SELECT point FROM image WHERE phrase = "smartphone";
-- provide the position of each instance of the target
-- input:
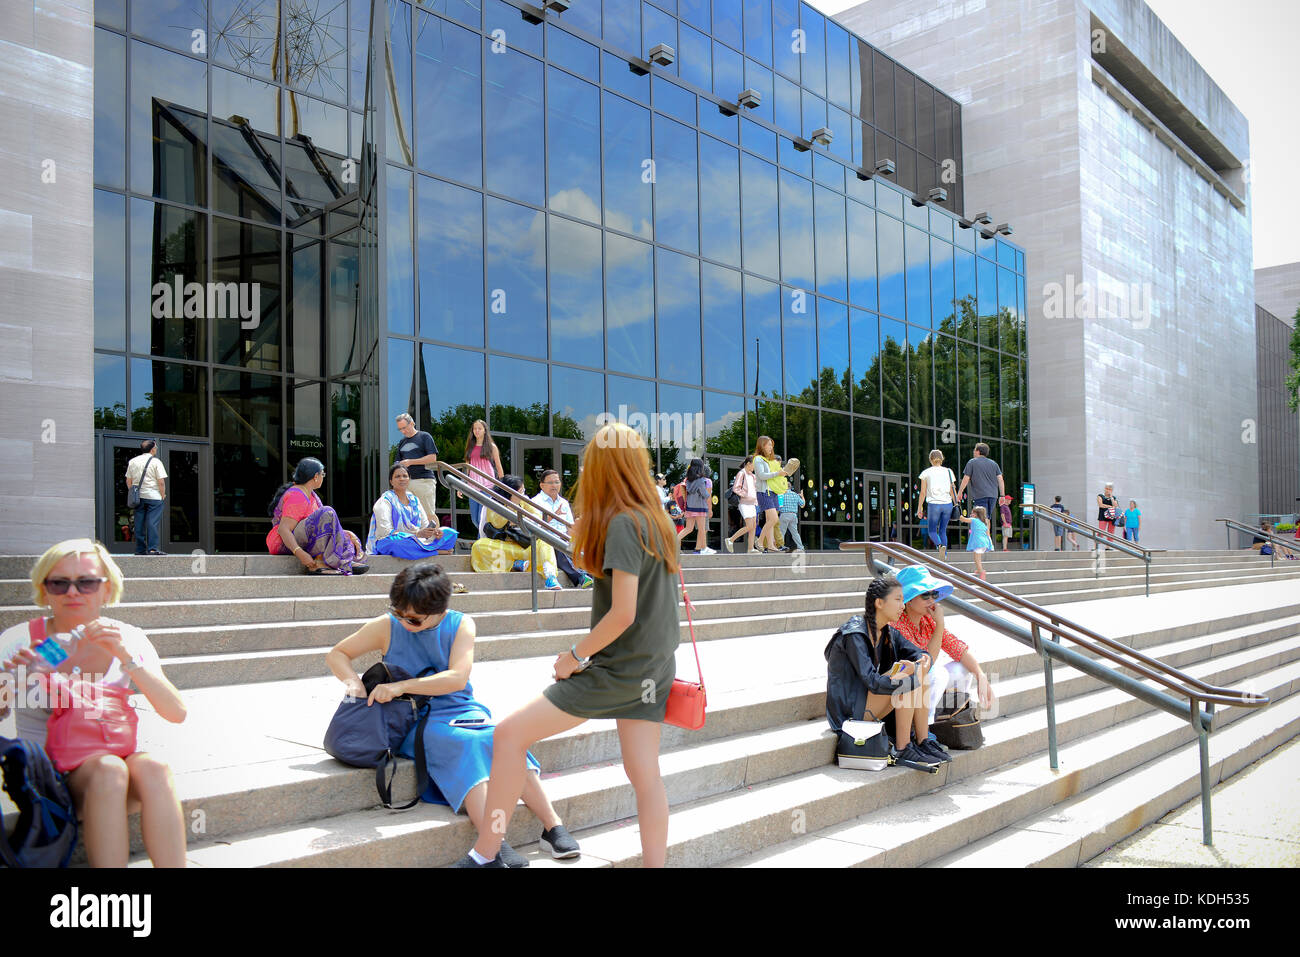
(467, 722)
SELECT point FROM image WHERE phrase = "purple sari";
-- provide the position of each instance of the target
(318, 531)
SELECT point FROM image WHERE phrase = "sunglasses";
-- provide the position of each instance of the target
(930, 595)
(414, 622)
(60, 586)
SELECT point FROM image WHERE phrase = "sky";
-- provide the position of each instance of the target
(1248, 49)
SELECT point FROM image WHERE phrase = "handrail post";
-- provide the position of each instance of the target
(1148, 574)
(532, 570)
(1049, 687)
(1207, 828)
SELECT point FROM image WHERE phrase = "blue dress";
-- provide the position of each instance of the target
(979, 540)
(404, 521)
(458, 758)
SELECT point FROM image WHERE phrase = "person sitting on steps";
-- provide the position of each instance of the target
(871, 670)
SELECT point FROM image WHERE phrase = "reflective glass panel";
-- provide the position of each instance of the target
(833, 354)
(304, 299)
(517, 396)
(676, 185)
(893, 369)
(987, 288)
(515, 30)
(889, 253)
(964, 272)
(814, 58)
(110, 271)
(571, 53)
(577, 323)
(632, 402)
(672, 99)
(836, 484)
(246, 292)
(397, 52)
(516, 278)
(866, 448)
(968, 387)
(724, 424)
(799, 345)
(941, 286)
(448, 94)
(629, 169)
(758, 30)
(728, 72)
(623, 24)
(451, 385)
(168, 281)
(347, 352)
(573, 158)
(514, 143)
(172, 22)
(678, 429)
(920, 376)
(762, 343)
(696, 12)
(618, 75)
(918, 276)
(864, 339)
(832, 263)
(399, 253)
(726, 23)
(577, 399)
(110, 109)
(110, 392)
(169, 398)
(759, 78)
(797, 266)
(629, 303)
(677, 307)
(945, 382)
(862, 255)
(401, 395)
(990, 394)
(305, 421)
(759, 223)
(450, 277)
(658, 27)
(719, 201)
(247, 422)
(720, 304)
(787, 105)
(785, 21)
(837, 66)
(696, 55)
(169, 125)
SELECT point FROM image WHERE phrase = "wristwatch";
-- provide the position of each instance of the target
(582, 662)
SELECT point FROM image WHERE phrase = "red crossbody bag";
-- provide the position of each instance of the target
(686, 700)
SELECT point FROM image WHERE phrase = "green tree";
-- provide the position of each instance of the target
(1293, 377)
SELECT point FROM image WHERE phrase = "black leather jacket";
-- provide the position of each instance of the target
(854, 667)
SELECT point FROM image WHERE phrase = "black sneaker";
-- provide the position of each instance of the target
(560, 843)
(360, 568)
(916, 759)
(934, 749)
(468, 861)
(509, 857)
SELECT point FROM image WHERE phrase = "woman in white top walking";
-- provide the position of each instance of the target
(937, 485)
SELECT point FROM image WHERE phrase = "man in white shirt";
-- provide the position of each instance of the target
(147, 470)
(550, 498)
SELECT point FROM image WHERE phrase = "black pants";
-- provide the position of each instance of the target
(566, 565)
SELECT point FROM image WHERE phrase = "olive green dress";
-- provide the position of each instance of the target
(631, 676)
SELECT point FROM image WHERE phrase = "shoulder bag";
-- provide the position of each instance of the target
(133, 493)
(687, 699)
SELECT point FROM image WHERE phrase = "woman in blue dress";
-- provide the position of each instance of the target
(418, 633)
(399, 525)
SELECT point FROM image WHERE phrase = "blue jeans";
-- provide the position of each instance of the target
(148, 518)
(475, 509)
(1130, 534)
(988, 504)
(936, 518)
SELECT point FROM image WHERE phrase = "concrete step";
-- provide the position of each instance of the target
(808, 743)
(1076, 830)
(948, 826)
(782, 816)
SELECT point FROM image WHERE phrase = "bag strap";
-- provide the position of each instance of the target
(690, 622)
(388, 763)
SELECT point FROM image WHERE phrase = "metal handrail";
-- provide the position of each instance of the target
(1193, 691)
(536, 528)
(1099, 535)
(1229, 524)
(507, 490)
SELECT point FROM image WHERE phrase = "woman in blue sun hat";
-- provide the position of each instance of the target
(922, 624)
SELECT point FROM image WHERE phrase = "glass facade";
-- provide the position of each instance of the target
(523, 223)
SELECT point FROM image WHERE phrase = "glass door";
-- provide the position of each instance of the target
(729, 519)
(187, 515)
(878, 500)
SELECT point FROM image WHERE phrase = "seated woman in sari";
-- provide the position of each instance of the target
(309, 529)
(399, 525)
(499, 549)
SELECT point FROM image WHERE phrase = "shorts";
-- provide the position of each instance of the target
(695, 511)
(748, 511)
(768, 500)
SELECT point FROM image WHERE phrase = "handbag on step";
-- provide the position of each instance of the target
(686, 700)
(958, 727)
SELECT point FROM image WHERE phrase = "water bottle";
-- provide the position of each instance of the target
(56, 649)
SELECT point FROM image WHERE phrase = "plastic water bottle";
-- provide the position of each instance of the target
(56, 649)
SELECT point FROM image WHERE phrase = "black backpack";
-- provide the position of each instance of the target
(47, 822)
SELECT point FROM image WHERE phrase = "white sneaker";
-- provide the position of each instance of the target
(731, 546)
(707, 551)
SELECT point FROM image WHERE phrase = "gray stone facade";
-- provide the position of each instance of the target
(1146, 376)
(1278, 433)
(1277, 289)
(47, 490)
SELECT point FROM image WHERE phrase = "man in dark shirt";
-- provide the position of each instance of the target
(985, 480)
(415, 453)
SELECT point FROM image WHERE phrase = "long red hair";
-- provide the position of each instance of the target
(616, 478)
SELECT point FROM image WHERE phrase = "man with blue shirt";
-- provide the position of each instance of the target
(550, 499)
(985, 480)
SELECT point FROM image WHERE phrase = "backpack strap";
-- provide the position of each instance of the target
(386, 770)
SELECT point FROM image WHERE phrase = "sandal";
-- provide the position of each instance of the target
(458, 589)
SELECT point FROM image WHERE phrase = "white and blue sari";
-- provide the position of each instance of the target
(393, 526)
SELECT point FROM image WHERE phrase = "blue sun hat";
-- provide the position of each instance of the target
(917, 580)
